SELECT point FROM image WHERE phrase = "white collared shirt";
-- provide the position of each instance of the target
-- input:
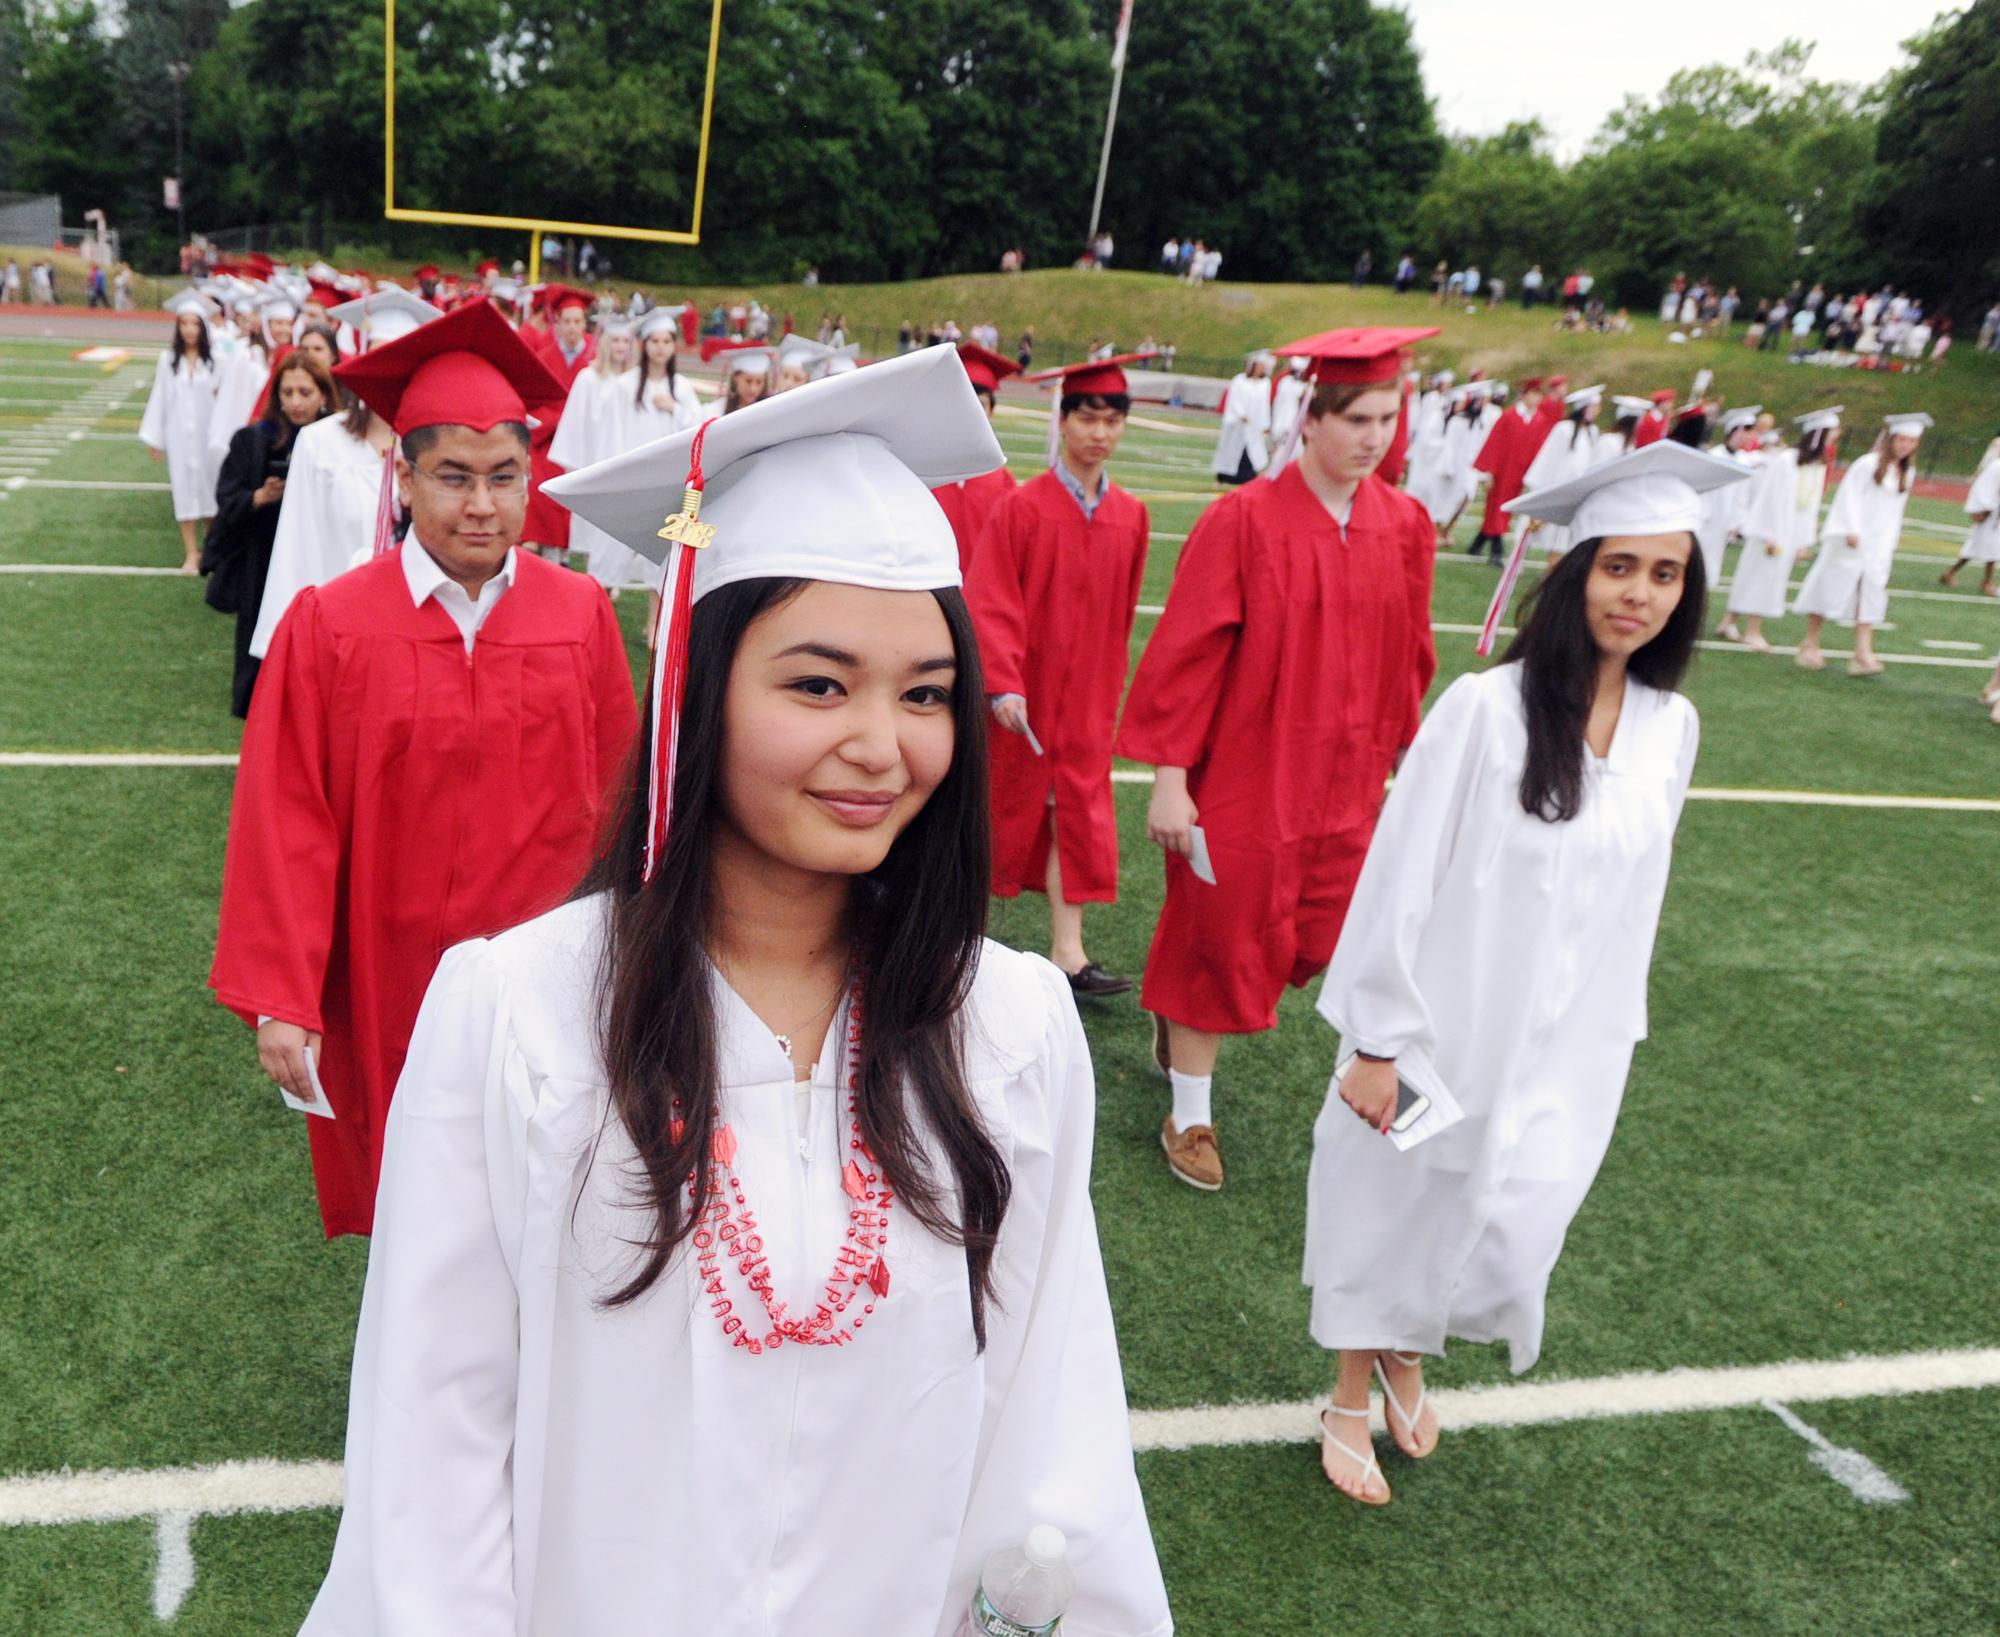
(468, 613)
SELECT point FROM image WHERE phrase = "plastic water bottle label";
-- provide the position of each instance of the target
(990, 1622)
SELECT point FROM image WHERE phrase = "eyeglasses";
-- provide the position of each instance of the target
(459, 485)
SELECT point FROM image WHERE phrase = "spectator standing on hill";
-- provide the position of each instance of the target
(1406, 274)
(1024, 354)
(121, 288)
(1531, 287)
(1469, 286)
(1496, 292)
(1170, 257)
(1572, 301)
(1440, 276)
(10, 286)
(1364, 265)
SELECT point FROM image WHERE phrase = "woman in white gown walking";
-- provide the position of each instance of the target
(1849, 580)
(1498, 947)
(175, 427)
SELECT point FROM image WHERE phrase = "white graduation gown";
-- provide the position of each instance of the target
(1851, 583)
(1769, 523)
(1246, 427)
(1455, 480)
(626, 424)
(589, 432)
(244, 373)
(1808, 494)
(1513, 954)
(523, 1463)
(1288, 399)
(1429, 417)
(176, 423)
(326, 522)
(1982, 540)
(1562, 456)
(1722, 513)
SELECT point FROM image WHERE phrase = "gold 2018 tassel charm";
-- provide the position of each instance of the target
(682, 526)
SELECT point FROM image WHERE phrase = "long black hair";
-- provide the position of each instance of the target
(673, 369)
(915, 926)
(201, 346)
(1558, 659)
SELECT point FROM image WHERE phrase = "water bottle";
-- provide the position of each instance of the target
(1024, 1590)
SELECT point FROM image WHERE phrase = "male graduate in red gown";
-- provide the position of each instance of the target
(1505, 456)
(969, 504)
(1653, 424)
(567, 349)
(430, 752)
(1284, 679)
(1053, 591)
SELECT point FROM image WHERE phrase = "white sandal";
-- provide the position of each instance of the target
(1370, 1467)
(1408, 1417)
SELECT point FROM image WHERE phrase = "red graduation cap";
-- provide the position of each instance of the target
(487, 266)
(556, 298)
(1528, 383)
(427, 271)
(1368, 356)
(1555, 383)
(986, 368)
(468, 368)
(1665, 396)
(1095, 378)
(325, 294)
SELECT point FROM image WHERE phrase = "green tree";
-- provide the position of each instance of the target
(13, 57)
(1935, 193)
(63, 145)
(1293, 136)
(1501, 202)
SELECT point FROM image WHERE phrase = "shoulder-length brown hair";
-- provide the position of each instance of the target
(1905, 467)
(299, 363)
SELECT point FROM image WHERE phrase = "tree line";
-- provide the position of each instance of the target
(885, 139)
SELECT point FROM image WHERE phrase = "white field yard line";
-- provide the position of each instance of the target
(230, 1487)
(1119, 776)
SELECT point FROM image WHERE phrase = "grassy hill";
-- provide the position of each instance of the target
(1214, 325)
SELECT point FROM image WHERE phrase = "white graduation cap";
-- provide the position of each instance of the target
(746, 361)
(617, 324)
(841, 363)
(388, 315)
(1910, 425)
(1820, 420)
(1734, 420)
(802, 350)
(1655, 490)
(192, 300)
(1443, 377)
(829, 482)
(277, 304)
(661, 321)
(1584, 397)
(1630, 408)
(507, 290)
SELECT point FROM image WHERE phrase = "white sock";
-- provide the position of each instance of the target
(1191, 1098)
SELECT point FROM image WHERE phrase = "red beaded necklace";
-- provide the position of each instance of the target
(726, 1232)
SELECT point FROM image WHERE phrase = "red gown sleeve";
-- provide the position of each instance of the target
(280, 875)
(1138, 578)
(1174, 697)
(1494, 450)
(993, 593)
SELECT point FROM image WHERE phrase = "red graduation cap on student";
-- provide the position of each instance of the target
(325, 294)
(559, 298)
(1366, 356)
(467, 368)
(984, 367)
(1094, 378)
(1665, 397)
(427, 273)
(486, 267)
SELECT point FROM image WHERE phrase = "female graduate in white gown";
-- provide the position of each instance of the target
(734, 1267)
(1982, 538)
(1243, 448)
(650, 401)
(1499, 941)
(247, 370)
(176, 423)
(1849, 580)
(592, 429)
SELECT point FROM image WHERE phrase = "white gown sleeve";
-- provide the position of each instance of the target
(1844, 517)
(1056, 1443)
(298, 548)
(426, 1534)
(1370, 994)
(1684, 764)
(153, 427)
(576, 432)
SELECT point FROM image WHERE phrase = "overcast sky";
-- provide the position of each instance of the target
(1488, 62)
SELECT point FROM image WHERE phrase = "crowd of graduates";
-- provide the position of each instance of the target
(615, 1017)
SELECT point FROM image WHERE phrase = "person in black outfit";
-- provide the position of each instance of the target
(237, 554)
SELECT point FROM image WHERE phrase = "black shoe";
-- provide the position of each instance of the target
(1092, 980)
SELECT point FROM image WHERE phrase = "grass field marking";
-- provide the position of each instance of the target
(222, 1490)
(1776, 798)
(173, 1563)
(118, 758)
(1849, 1468)
(91, 568)
(99, 483)
(1956, 647)
(1598, 1398)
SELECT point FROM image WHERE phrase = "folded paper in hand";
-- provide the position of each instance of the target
(319, 1105)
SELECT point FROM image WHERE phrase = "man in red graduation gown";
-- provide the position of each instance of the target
(970, 504)
(1505, 456)
(1284, 679)
(567, 349)
(1653, 424)
(1053, 590)
(430, 752)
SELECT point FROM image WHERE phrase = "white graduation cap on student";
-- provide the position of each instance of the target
(192, 300)
(1908, 425)
(794, 348)
(1654, 490)
(1583, 397)
(1741, 418)
(745, 361)
(388, 315)
(1628, 408)
(1820, 420)
(661, 321)
(831, 481)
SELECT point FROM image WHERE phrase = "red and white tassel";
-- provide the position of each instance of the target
(386, 510)
(1495, 610)
(670, 654)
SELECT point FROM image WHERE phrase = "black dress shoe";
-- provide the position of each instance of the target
(1092, 979)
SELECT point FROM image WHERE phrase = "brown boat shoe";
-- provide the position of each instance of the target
(1193, 1155)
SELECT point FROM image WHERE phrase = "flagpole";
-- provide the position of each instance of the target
(1110, 117)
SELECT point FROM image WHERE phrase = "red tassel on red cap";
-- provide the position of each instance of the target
(670, 652)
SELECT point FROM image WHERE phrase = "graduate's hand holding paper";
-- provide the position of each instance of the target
(281, 1049)
(1171, 818)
